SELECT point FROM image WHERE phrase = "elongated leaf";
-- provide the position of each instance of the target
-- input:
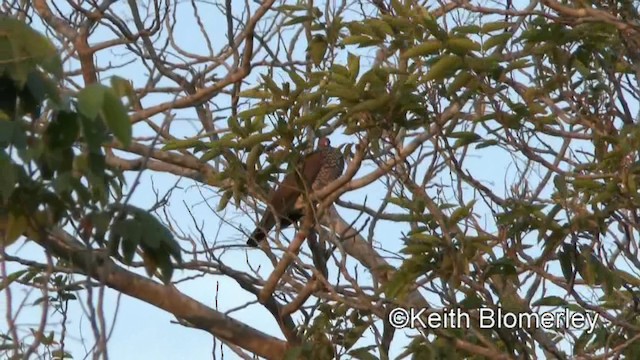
(466, 29)
(284, 8)
(561, 184)
(444, 67)
(12, 227)
(494, 26)
(428, 47)
(254, 140)
(496, 40)
(399, 23)
(343, 92)
(459, 81)
(261, 109)
(353, 62)
(91, 100)
(371, 105)
(363, 353)
(550, 301)
(224, 200)
(317, 49)
(298, 20)
(297, 79)
(272, 86)
(183, 144)
(462, 45)
(361, 40)
(255, 94)
(466, 139)
(11, 278)
(487, 143)
(116, 117)
(8, 179)
(123, 87)
(380, 27)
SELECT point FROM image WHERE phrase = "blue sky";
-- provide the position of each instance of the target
(141, 331)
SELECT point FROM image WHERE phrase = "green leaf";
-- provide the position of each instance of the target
(298, 20)
(402, 8)
(40, 88)
(561, 184)
(353, 63)
(184, 144)
(293, 353)
(494, 26)
(343, 92)
(14, 227)
(627, 278)
(116, 117)
(256, 94)
(8, 180)
(130, 233)
(224, 200)
(464, 138)
(466, 29)
(462, 212)
(462, 46)
(95, 133)
(297, 79)
(497, 40)
(550, 301)
(317, 49)
(254, 140)
(166, 267)
(444, 67)
(428, 47)
(10, 279)
(399, 23)
(379, 27)
(352, 335)
(12, 133)
(361, 40)
(582, 342)
(459, 81)
(472, 301)
(487, 143)
(259, 110)
(363, 353)
(503, 266)
(371, 105)
(479, 65)
(29, 46)
(63, 130)
(272, 86)
(91, 100)
(283, 8)
(122, 87)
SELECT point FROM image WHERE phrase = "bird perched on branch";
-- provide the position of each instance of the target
(315, 171)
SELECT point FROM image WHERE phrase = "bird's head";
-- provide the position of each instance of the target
(324, 142)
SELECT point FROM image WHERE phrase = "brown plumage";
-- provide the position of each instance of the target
(316, 170)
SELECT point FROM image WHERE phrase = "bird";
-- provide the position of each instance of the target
(284, 203)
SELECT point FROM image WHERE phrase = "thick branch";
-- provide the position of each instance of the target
(166, 297)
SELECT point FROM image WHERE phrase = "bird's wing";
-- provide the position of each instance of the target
(312, 165)
(286, 194)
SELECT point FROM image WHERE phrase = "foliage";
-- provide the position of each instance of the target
(494, 156)
(58, 174)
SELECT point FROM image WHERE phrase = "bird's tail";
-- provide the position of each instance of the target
(260, 233)
(256, 237)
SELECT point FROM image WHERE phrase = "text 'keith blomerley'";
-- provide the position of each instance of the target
(490, 318)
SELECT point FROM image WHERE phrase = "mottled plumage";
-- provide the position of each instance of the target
(316, 171)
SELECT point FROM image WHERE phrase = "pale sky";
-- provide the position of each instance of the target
(144, 332)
